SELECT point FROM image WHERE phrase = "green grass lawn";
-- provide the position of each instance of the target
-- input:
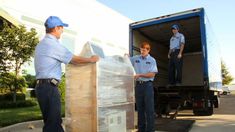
(16, 115)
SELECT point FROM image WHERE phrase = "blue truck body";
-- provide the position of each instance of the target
(202, 80)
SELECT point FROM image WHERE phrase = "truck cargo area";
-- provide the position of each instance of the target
(159, 35)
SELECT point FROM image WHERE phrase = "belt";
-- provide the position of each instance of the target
(142, 82)
(49, 80)
(174, 50)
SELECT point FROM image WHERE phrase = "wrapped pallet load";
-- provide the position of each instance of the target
(100, 96)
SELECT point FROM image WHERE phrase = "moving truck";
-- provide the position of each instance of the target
(201, 73)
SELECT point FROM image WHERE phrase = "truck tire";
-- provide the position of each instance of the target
(216, 101)
(198, 112)
(203, 113)
(206, 112)
(209, 111)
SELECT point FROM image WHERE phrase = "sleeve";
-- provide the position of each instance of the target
(153, 67)
(62, 54)
(132, 60)
(182, 39)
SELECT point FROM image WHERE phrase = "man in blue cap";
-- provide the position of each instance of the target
(177, 43)
(49, 55)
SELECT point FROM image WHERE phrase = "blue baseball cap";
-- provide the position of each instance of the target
(53, 21)
(175, 26)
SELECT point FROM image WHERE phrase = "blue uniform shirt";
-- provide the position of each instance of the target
(49, 55)
(143, 65)
(176, 41)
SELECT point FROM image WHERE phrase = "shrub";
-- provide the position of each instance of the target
(33, 93)
(11, 82)
(62, 87)
(8, 97)
(17, 104)
(30, 80)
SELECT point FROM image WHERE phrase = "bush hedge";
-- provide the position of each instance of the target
(17, 104)
(33, 93)
(9, 97)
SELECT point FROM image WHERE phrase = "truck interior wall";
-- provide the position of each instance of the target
(159, 52)
(159, 35)
(192, 74)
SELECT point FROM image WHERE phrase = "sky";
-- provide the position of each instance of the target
(221, 14)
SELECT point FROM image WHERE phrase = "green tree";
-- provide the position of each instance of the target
(62, 87)
(30, 80)
(17, 46)
(4, 48)
(7, 81)
(227, 78)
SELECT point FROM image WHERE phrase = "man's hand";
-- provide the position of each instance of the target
(137, 76)
(126, 54)
(94, 58)
(80, 60)
(179, 56)
(168, 56)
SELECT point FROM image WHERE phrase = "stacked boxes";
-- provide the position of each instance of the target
(100, 96)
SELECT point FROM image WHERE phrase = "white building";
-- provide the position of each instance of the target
(88, 20)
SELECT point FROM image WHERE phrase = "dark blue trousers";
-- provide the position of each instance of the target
(49, 101)
(144, 97)
(175, 68)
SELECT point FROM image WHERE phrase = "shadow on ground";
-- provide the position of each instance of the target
(161, 124)
(173, 125)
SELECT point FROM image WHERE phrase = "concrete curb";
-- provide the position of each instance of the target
(30, 126)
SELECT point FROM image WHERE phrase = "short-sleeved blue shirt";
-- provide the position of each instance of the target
(49, 55)
(176, 41)
(143, 65)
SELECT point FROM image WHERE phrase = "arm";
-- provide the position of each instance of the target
(182, 43)
(79, 59)
(181, 50)
(151, 72)
(146, 75)
(169, 53)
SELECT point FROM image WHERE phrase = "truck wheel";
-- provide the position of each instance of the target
(198, 112)
(216, 101)
(207, 112)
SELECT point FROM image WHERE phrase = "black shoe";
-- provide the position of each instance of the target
(169, 85)
(178, 84)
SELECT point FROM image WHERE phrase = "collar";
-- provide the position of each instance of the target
(177, 34)
(50, 36)
(143, 58)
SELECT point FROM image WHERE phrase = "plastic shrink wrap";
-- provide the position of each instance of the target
(100, 96)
